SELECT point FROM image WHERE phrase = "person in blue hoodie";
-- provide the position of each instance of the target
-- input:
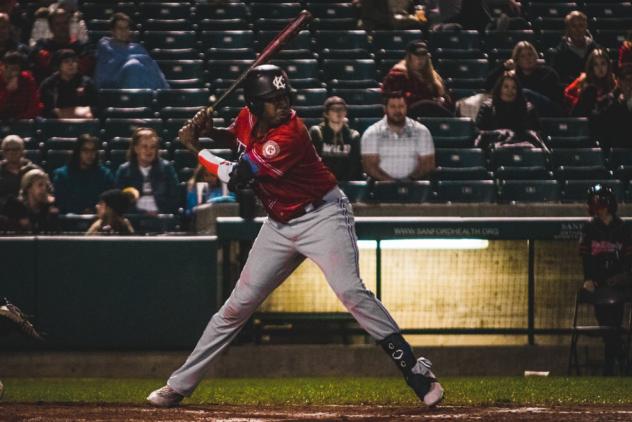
(122, 64)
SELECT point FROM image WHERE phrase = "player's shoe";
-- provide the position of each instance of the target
(424, 382)
(165, 397)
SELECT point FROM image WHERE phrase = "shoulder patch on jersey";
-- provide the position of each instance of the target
(270, 149)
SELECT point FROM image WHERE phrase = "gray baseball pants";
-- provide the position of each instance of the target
(325, 235)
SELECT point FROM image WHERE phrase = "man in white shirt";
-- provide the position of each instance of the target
(397, 147)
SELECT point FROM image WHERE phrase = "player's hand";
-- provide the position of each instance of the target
(199, 125)
(240, 176)
(589, 286)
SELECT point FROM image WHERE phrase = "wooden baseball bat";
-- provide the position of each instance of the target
(271, 49)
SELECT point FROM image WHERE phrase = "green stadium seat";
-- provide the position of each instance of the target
(582, 172)
(567, 132)
(183, 158)
(463, 69)
(275, 10)
(332, 44)
(450, 132)
(518, 157)
(355, 190)
(56, 159)
(460, 157)
(577, 157)
(126, 98)
(164, 10)
(513, 191)
(457, 54)
(98, 25)
(620, 157)
(549, 38)
(333, 15)
(621, 9)
(182, 97)
(228, 44)
(310, 97)
(383, 43)
(116, 127)
(169, 39)
(576, 190)
(461, 173)
(25, 128)
(59, 143)
(183, 73)
(407, 192)
(362, 123)
(35, 155)
(167, 25)
(67, 128)
(359, 73)
(223, 72)
(178, 112)
(467, 40)
(522, 173)
(223, 25)
(300, 47)
(359, 96)
(467, 191)
(102, 10)
(507, 39)
(619, 23)
(223, 10)
(368, 110)
(550, 9)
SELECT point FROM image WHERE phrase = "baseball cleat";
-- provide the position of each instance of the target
(424, 382)
(434, 395)
(165, 397)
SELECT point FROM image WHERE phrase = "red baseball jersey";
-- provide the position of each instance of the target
(289, 173)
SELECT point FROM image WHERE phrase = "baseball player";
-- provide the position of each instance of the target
(308, 217)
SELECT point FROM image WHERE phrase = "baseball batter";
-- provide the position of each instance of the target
(308, 217)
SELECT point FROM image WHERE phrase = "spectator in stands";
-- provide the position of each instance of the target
(507, 118)
(122, 64)
(13, 167)
(625, 51)
(79, 183)
(67, 94)
(590, 92)
(154, 178)
(336, 142)
(386, 15)
(569, 57)
(34, 210)
(17, 15)
(416, 78)
(44, 49)
(606, 250)
(112, 205)
(540, 83)
(19, 98)
(613, 124)
(475, 14)
(397, 147)
(204, 187)
(41, 28)
(8, 42)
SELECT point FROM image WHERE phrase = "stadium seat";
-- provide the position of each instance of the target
(223, 25)
(300, 47)
(522, 173)
(609, 38)
(621, 9)
(577, 157)
(24, 128)
(393, 44)
(126, 102)
(620, 157)
(410, 192)
(582, 172)
(619, 23)
(224, 72)
(542, 23)
(303, 73)
(67, 128)
(183, 158)
(365, 110)
(466, 191)
(182, 97)
(356, 190)
(56, 158)
(518, 157)
(567, 132)
(576, 190)
(458, 70)
(310, 97)
(164, 10)
(167, 25)
(459, 157)
(512, 191)
(172, 126)
(113, 128)
(35, 155)
(59, 143)
(349, 73)
(168, 39)
(223, 10)
(549, 9)
(102, 10)
(333, 15)
(362, 123)
(451, 132)
(183, 73)
(332, 44)
(273, 16)
(457, 54)
(461, 173)
(507, 39)
(466, 40)
(98, 25)
(549, 38)
(228, 44)
(358, 96)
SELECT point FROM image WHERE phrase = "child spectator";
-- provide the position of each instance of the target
(19, 98)
(590, 91)
(66, 94)
(154, 178)
(112, 205)
(41, 28)
(416, 78)
(122, 64)
(79, 183)
(336, 142)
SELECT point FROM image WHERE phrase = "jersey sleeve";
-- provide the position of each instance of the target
(283, 149)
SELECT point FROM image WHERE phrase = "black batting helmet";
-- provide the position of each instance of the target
(600, 196)
(265, 82)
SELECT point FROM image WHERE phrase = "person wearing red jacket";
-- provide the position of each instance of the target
(19, 98)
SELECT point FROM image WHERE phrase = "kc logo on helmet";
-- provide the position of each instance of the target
(278, 82)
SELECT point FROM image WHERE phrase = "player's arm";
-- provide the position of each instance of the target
(371, 164)
(202, 125)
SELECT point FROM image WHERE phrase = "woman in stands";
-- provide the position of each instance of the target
(423, 88)
(507, 118)
(589, 93)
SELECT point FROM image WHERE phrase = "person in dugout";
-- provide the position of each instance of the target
(606, 249)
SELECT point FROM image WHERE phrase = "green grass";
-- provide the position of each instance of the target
(323, 391)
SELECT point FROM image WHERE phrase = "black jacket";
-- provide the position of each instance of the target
(569, 64)
(163, 179)
(340, 152)
(58, 93)
(606, 250)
